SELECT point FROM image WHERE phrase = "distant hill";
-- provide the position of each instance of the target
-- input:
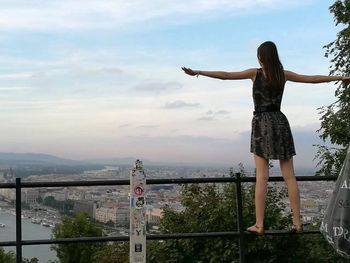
(35, 159)
(120, 161)
(113, 161)
(40, 159)
(130, 160)
(26, 164)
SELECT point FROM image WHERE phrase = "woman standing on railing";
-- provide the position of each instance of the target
(271, 137)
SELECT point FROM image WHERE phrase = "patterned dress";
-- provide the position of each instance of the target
(271, 137)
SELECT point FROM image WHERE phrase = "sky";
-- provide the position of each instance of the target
(102, 79)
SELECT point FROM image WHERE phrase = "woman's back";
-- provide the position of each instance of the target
(264, 95)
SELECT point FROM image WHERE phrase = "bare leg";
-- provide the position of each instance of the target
(287, 170)
(262, 176)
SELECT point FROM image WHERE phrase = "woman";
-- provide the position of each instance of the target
(271, 137)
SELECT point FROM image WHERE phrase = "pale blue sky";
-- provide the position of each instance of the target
(96, 79)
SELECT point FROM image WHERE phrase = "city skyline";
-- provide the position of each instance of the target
(98, 79)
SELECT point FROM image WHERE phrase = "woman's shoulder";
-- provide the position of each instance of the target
(257, 72)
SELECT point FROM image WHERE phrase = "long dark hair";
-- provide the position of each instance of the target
(272, 66)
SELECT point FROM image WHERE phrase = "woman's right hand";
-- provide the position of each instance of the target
(189, 71)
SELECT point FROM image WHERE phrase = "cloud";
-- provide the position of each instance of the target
(219, 112)
(156, 87)
(106, 70)
(125, 125)
(147, 126)
(210, 118)
(14, 76)
(14, 88)
(212, 115)
(65, 14)
(222, 112)
(180, 104)
(80, 79)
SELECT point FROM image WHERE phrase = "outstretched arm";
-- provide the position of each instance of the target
(246, 74)
(292, 76)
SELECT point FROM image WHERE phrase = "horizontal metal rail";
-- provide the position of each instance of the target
(161, 181)
(227, 234)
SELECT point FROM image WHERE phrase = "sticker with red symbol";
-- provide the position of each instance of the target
(138, 190)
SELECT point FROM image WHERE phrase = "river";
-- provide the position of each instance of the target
(29, 231)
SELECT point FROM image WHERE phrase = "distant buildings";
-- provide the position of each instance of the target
(59, 195)
(7, 175)
(29, 195)
(154, 215)
(123, 216)
(8, 194)
(84, 206)
(119, 214)
(105, 215)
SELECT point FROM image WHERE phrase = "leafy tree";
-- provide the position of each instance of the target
(10, 257)
(335, 119)
(113, 253)
(314, 248)
(80, 226)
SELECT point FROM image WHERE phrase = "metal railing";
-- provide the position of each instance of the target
(240, 233)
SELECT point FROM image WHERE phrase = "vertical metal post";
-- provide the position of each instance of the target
(18, 221)
(240, 218)
(137, 214)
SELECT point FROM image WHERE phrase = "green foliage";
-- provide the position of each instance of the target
(10, 257)
(113, 253)
(80, 226)
(335, 119)
(314, 248)
(331, 159)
